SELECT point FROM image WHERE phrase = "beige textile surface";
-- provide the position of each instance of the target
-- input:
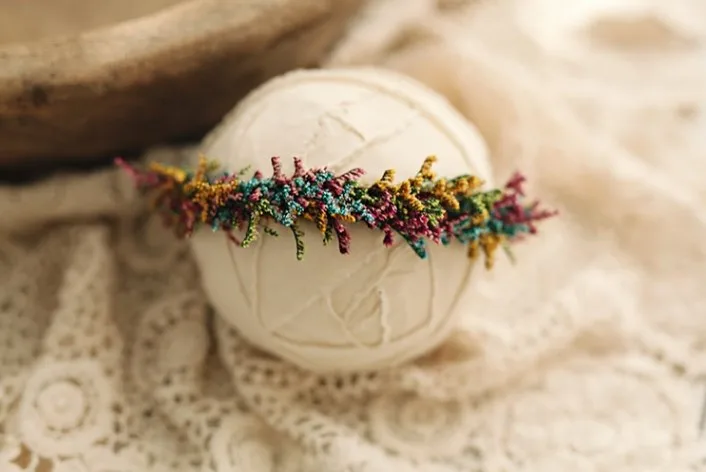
(29, 21)
(589, 355)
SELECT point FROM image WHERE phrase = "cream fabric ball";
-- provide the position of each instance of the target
(375, 307)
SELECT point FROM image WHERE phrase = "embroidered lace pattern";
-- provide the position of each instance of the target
(588, 355)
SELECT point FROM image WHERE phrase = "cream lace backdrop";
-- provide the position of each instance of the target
(588, 355)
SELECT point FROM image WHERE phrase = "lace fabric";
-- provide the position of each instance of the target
(588, 354)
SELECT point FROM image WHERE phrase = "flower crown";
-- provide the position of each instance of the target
(420, 209)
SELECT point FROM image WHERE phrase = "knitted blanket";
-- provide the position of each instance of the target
(589, 354)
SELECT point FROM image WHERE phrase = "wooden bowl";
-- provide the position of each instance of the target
(116, 76)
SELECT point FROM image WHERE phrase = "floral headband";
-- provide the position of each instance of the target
(420, 209)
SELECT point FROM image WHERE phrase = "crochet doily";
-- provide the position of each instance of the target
(588, 355)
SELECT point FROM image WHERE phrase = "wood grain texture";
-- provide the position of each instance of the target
(153, 79)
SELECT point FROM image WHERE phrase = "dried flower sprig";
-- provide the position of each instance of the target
(420, 209)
